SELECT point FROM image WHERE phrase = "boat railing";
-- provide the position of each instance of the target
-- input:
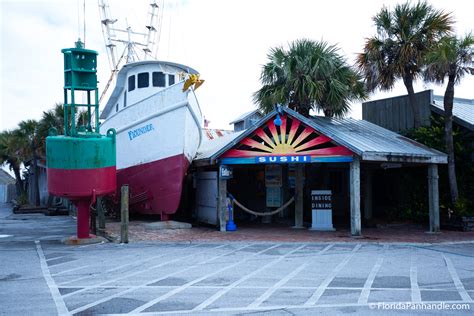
(172, 94)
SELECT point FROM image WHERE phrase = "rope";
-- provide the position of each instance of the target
(278, 210)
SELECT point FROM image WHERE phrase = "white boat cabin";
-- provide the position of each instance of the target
(140, 80)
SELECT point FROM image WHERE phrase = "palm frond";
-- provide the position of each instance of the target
(309, 74)
(404, 37)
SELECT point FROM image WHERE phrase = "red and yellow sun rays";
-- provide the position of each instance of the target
(271, 140)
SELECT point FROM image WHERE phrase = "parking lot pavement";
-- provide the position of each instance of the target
(31, 227)
(41, 276)
(241, 278)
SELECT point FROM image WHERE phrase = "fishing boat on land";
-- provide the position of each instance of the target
(157, 117)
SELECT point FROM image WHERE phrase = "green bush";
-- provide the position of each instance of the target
(433, 137)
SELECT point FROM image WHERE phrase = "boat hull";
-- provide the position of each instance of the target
(155, 187)
(156, 139)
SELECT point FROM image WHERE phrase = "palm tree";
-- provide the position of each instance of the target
(309, 75)
(397, 51)
(53, 118)
(27, 133)
(451, 58)
(10, 155)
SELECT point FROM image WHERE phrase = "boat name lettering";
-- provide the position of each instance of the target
(140, 131)
(283, 159)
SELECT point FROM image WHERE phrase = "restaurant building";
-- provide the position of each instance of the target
(318, 172)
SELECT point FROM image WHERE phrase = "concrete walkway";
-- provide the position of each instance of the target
(407, 233)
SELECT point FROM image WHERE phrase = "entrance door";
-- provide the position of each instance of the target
(206, 197)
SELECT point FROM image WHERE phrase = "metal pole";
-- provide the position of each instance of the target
(66, 109)
(83, 218)
(124, 214)
(97, 125)
(89, 116)
(73, 114)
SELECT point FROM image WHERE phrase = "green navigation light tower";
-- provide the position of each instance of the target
(81, 163)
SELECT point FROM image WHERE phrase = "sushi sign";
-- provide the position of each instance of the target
(283, 159)
(290, 142)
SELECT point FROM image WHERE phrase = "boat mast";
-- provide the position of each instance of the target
(133, 42)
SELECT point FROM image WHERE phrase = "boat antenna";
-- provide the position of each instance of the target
(144, 43)
(78, 19)
(84, 21)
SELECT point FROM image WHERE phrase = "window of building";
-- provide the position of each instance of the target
(143, 80)
(159, 79)
(170, 80)
(131, 83)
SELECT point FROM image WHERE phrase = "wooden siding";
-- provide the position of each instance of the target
(396, 113)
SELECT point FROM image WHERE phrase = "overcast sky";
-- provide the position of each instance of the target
(226, 41)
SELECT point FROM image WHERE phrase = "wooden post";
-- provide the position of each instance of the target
(124, 214)
(368, 195)
(299, 196)
(355, 196)
(433, 193)
(221, 203)
(100, 216)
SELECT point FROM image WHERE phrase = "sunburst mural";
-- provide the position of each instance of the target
(291, 138)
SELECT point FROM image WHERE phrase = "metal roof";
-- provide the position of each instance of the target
(367, 140)
(374, 143)
(463, 110)
(244, 116)
(213, 133)
(5, 177)
(210, 147)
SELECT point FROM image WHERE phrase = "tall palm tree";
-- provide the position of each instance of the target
(451, 58)
(404, 36)
(309, 75)
(10, 155)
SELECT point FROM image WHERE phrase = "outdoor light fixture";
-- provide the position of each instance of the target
(277, 120)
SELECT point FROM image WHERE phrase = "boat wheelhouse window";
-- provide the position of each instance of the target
(125, 99)
(159, 79)
(170, 80)
(116, 107)
(143, 80)
(131, 83)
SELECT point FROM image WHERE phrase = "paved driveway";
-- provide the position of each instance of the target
(44, 277)
(240, 278)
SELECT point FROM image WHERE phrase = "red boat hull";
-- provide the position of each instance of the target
(155, 187)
